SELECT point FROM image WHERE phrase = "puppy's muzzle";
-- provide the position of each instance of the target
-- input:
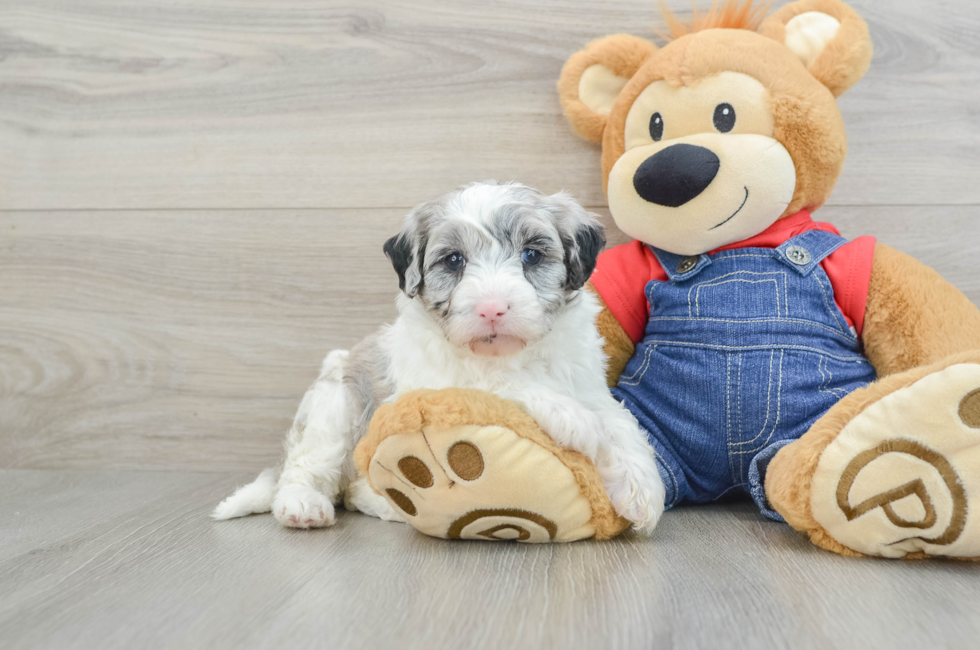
(675, 175)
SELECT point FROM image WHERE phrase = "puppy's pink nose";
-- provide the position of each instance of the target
(491, 309)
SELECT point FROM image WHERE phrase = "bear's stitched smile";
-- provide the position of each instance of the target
(734, 213)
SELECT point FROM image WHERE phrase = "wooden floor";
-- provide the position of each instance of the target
(193, 198)
(130, 560)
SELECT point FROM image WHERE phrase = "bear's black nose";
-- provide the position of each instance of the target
(675, 175)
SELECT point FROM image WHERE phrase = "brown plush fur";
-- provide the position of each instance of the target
(914, 317)
(453, 407)
(729, 14)
(618, 346)
(790, 474)
(807, 120)
(622, 54)
(846, 58)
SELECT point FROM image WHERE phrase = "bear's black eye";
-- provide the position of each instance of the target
(724, 117)
(455, 261)
(530, 257)
(656, 127)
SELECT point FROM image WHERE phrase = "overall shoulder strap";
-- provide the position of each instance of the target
(805, 251)
(681, 267)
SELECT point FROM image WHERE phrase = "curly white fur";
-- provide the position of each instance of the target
(558, 378)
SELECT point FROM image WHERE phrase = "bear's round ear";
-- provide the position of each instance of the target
(592, 79)
(829, 37)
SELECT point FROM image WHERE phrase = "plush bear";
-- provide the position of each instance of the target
(837, 382)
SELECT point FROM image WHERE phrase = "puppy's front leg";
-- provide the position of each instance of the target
(567, 421)
(611, 438)
(317, 448)
(361, 496)
(628, 468)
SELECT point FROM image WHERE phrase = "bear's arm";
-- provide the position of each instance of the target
(914, 316)
(618, 347)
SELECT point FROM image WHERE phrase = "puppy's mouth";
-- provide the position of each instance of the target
(734, 213)
(497, 345)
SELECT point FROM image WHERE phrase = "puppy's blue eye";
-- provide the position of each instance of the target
(530, 257)
(455, 261)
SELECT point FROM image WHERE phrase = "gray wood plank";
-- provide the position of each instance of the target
(384, 103)
(184, 341)
(134, 562)
(160, 325)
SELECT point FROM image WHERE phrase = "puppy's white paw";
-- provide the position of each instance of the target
(570, 425)
(360, 496)
(300, 506)
(637, 496)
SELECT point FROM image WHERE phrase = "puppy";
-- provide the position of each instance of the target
(491, 280)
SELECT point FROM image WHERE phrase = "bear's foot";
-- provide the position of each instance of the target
(462, 464)
(893, 471)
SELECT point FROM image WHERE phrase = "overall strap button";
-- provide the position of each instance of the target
(798, 255)
(687, 264)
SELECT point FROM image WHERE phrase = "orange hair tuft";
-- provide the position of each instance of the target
(728, 14)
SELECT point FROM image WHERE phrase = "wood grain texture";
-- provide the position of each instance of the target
(193, 198)
(385, 103)
(130, 560)
(184, 341)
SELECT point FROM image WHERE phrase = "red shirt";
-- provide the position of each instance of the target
(623, 272)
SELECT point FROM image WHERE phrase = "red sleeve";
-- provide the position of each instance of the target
(849, 271)
(621, 276)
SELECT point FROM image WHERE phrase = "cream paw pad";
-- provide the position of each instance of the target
(465, 464)
(900, 478)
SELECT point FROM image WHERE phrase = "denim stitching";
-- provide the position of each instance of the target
(739, 401)
(719, 257)
(832, 312)
(828, 374)
(779, 403)
(738, 382)
(847, 337)
(697, 294)
(822, 388)
(718, 346)
(728, 409)
(673, 479)
(785, 297)
(772, 356)
(826, 301)
(838, 393)
(722, 277)
(641, 371)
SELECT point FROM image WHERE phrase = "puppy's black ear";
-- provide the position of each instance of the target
(399, 251)
(582, 235)
(406, 250)
(580, 258)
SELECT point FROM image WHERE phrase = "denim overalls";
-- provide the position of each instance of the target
(744, 350)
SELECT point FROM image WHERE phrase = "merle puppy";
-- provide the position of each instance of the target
(491, 278)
